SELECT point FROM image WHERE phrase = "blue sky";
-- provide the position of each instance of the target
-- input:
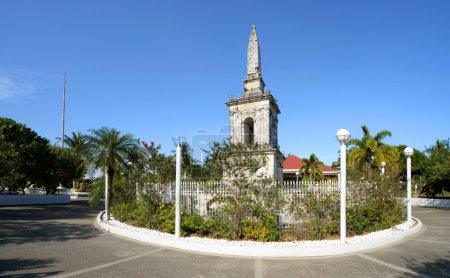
(165, 69)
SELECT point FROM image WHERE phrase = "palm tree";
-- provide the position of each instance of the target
(440, 151)
(187, 161)
(110, 149)
(186, 158)
(311, 168)
(368, 152)
(78, 143)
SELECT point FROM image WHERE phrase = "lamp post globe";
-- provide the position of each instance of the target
(342, 135)
(408, 151)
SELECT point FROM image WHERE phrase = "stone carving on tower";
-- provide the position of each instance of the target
(254, 116)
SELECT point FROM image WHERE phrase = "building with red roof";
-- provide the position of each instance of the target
(293, 163)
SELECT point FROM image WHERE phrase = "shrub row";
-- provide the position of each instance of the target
(371, 207)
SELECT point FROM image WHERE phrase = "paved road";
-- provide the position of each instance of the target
(64, 241)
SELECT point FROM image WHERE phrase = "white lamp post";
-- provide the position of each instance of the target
(383, 164)
(130, 164)
(138, 190)
(178, 193)
(342, 136)
(408, 153)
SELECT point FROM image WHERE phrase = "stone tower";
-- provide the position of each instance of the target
(254, 116)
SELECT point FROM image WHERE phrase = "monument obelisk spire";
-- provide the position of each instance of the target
(253, 85)
(253, 55)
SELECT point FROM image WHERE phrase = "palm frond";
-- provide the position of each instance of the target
(366, 132)
(381, 135)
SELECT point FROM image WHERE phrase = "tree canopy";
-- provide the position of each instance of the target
(27, 158)
(110, 149)
(311, 168)
(437, 170)
(369, 152)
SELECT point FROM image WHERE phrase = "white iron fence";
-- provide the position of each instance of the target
(205, 198)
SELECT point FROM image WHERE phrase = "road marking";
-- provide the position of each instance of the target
(398, 268)
(431, 241)
(258, 268)
(78, 272)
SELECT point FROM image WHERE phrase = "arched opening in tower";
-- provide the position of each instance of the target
(249, 131)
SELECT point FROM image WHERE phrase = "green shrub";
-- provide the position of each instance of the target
(194, 224)
(263, 230)
(123, 211)
(372, 216)
(250, 214)
(318, 213)
(141, 216)
(146, 213)
(375, 206)
(166, 219)
(218, 227)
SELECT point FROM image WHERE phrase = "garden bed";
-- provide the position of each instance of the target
(264, 249)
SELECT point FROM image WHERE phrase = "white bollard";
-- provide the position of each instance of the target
(178, 193)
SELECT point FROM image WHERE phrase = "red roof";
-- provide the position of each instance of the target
(293, 162)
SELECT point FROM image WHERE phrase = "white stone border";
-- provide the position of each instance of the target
(430, 202)
(263, 249)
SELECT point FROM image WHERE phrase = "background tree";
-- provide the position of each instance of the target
(110, 149)
(212, 168)
(437, 171)
(418, 165)
(187, 160)
(65, 167)
(159, 168)
(311, 168)
(25, 157)
(367, 153)
(79, 145)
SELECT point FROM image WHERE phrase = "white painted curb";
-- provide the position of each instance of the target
(259, 249)
(429, 202)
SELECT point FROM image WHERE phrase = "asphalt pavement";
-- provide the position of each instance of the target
(64, 241)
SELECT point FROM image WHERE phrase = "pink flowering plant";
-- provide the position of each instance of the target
(160, 168)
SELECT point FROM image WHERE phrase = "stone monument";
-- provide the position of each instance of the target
(254, 116)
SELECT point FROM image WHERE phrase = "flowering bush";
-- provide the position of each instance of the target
(159, 167)
(375, 205)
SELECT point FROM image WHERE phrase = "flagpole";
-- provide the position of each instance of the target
(63, 111)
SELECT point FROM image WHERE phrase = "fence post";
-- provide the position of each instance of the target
(178, 193)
